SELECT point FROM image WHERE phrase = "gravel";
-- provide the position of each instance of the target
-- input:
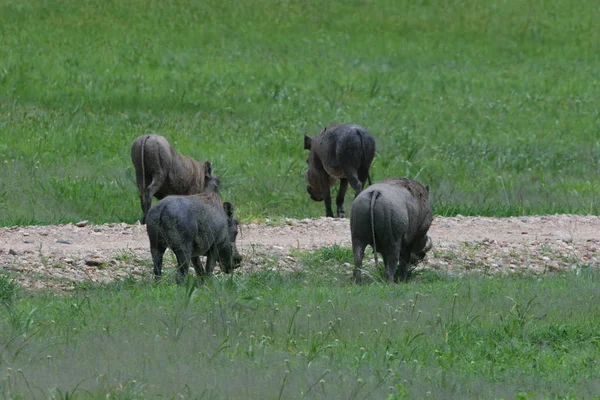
(58, 257)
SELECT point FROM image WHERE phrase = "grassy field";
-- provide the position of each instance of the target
(493, 104)
(309, 335)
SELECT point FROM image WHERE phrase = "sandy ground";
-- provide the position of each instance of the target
(60, 256)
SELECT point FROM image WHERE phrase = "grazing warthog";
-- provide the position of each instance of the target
(193, 226)
(161, 171)
(343, 152)
(393, 217)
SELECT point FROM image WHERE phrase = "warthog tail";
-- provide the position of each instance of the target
(364, 157)
(143, 167)
(374, 195)
(143, 188)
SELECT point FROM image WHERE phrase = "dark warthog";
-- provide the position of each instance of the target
(343, 152)
(161, 171)
(193, 226)
(393, 217)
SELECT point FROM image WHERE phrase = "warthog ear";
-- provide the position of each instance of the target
(228, 209)
(207, 169)
(427, 188)
(307, 141)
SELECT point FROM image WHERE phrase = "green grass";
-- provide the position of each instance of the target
(310, 335)
(493, 104)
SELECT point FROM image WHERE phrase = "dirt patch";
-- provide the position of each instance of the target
(62, 255)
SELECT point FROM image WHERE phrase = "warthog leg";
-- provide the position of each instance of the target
(327, 198)
(390, 259)
(145, 202)
(148, 193)
(211, 261)
(184, 260)
(157, 260)
(198, 267)
(404, 261)
(339, 200)
(363, 176)
(356, 184)
(359, 252)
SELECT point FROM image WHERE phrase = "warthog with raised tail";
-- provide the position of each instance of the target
(393, 217)
(193, 226)
(161, 171)
(343, 152)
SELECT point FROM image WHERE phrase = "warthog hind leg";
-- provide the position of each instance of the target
(353, 180)
(403, 264)
(157, 260)
(390, 259)
(198, 267)
(211, 261)
(146, 202)
(339, 200)
(184, 259)
(148, 193)
(358, 248)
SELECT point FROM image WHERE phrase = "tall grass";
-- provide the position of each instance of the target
(494, 105)
(308, 335)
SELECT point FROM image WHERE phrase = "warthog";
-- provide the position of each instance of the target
(343, 152)
(393, 217)
(161, 171)
(193, 226)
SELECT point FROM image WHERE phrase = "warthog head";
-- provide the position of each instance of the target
(314, 180)
(313, 187)
(231, 258)
(417, 255)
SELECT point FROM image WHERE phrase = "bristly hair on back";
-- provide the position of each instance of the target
(414, 187)
(210, 197)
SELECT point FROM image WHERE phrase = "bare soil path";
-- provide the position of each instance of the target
(59, 256)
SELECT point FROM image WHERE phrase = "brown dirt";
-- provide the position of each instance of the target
(60, 256)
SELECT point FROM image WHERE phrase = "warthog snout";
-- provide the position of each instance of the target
(237, 260)
(313, 195)
(418, 256)
(234, 262)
